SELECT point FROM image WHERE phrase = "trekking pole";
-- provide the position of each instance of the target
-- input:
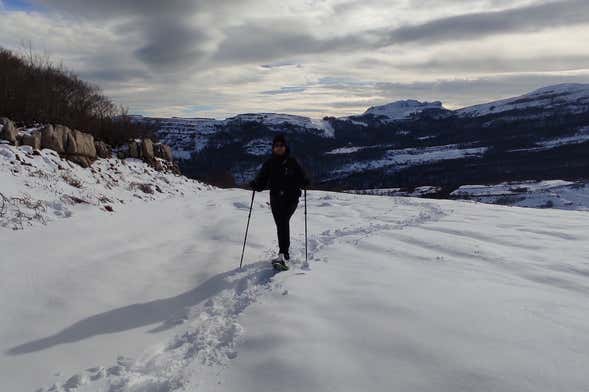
(306, 253)
(247, 228)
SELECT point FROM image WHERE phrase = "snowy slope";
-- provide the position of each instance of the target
(399, 159)
(570, 98)
(560, 194)
(402, 110)
(40, 187)
(400, 294)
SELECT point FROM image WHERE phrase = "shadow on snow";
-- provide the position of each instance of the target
(164, 311)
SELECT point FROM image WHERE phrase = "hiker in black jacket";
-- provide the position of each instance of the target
(283, 175)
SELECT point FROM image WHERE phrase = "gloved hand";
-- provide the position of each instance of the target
(254, 186)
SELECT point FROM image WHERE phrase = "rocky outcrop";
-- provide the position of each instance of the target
(55, 138)
(32, 139)
(163, 151)
(8, 131)
(147, 150)
(134, 150)
(103, 150)
(80, 148)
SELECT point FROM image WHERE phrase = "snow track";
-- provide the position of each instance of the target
(210, 328)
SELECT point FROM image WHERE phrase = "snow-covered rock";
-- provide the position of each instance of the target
(567, 98)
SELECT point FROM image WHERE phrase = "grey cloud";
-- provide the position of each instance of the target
(470, 26)
(167, 33)
(172, 44)
(277, 39)
(285, 90)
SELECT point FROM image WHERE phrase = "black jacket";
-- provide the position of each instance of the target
(283, 176)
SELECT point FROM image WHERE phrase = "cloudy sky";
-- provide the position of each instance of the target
(313, 57)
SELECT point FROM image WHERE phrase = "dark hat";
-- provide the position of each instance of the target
(279, 138)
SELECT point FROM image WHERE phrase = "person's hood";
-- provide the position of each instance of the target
(282, 139)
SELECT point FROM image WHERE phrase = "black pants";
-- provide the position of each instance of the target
(282, 210)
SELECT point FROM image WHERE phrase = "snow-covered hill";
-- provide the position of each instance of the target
(192, 135)
(402, 110)
(567, 195)
(567, 98)
(399, 294)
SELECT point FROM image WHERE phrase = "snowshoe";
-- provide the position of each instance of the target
(279, 263)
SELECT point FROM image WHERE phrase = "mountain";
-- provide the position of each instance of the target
(402, 110)
(561, 98)
(543, 135)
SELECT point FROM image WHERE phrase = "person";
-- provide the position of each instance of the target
(283, 175)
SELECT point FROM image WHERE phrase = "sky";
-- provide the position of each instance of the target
(215, 58)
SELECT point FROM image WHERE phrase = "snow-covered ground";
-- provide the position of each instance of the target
(559, 194)
(420, 191)
(399, 294)
(411, 157)
(37, 189)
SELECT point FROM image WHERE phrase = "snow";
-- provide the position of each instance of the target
(420, 191)
(412, 157)
(572, 97)
(275, 121)
(580, 137)
(559, 194)
(49, 188)
(345, 150)
(189, 135)
(259, 147)
(402, 110)
(399, 294)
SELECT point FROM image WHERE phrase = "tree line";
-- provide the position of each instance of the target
(34, 90)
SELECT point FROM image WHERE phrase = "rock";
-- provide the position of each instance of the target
(147, 150)
(55, 138)
(81, 160)
(103, 150)
(163, 151)
(32, 139)
(134, 149)
(8, 131)
(81, 144)
(158, 165)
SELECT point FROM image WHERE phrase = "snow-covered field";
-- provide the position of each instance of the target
(399, 294)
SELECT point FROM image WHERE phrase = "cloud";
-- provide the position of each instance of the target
(331, 57)
(285, 90)
(530, 18)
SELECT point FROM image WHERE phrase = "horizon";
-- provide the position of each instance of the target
(205, 59)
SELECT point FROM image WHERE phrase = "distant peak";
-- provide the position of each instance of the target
(562, 88)
(400, 110)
